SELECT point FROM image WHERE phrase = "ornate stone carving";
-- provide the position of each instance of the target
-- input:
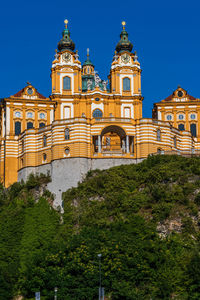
(89, 84)
(56, 55)
(105, 82)
(135, 57)
(115, 57)
(76, 55)
(97, 79)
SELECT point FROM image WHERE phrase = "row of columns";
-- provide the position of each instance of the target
(126, 146)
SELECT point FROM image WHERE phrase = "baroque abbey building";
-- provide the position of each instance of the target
(88, 123)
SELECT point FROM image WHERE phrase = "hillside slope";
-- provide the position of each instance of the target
(144, 219)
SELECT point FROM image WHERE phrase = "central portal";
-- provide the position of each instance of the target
(113, 140)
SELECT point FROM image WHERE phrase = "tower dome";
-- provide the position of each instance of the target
(66, 43)
(88, 61)
(124, 44)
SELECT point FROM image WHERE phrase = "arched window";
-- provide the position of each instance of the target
(17, 128)
(67, 151)
(22, 146)
(44, 141)
(67, 83)
(97, 113)
(41, 125)
(67, 136)
(126, 84)
(44, 157)
(181, 127)
(174, 141)
(193, 129)
(158, 135)
(29, 125)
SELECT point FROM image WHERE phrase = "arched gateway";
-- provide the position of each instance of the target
(113, 139)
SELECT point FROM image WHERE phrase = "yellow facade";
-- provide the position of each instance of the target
(85, 117)
(181, 111)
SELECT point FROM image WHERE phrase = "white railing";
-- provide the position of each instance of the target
(112, 119)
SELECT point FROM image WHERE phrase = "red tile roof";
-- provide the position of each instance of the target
(169, 98)
(21, 92)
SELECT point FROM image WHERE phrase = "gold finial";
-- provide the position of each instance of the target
(66, 22)
(88, 51)
(123, 24)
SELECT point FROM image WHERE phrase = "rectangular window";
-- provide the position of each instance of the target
(17, 128)
(126, 84)
(127, 112)
(193, 129)
(67, 83)
(67, 112)
(29, 125)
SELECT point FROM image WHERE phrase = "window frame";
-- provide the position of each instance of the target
(181, 117)
(182, 125)
(44, 140)
(67, 84)
(67, 134)
(29, 122)
(191, 125)
(97, 110)
(158, 136)
(125, 85)
(170, 116)
(175, 141)
(66, 151)
(20, 130)
(44, 157)
(42, 125)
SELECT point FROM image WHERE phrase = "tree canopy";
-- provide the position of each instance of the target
(143, 219)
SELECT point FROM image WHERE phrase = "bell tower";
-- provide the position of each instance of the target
(125, 73)
(65, 74)
(88, 74)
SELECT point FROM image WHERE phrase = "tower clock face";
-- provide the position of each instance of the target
(66, 57)
(125, 58)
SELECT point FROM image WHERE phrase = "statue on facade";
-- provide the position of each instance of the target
(56, 54)
(123, 145)
(89, 84)
(105, 82)
(76, 55)
(135, 57)
(97, 79)
(115, 57)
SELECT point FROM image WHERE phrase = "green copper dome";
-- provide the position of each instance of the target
(88, 61)
(66, 43)
(124, 44)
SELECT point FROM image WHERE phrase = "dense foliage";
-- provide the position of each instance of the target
(144, 219)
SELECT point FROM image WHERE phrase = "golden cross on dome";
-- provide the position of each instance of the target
(123, 24)
(66, 22)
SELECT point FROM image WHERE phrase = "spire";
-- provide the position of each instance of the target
(124, 44)
(66, 43)
(88, 61)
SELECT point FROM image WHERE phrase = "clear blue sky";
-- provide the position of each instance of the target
(165, 34)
